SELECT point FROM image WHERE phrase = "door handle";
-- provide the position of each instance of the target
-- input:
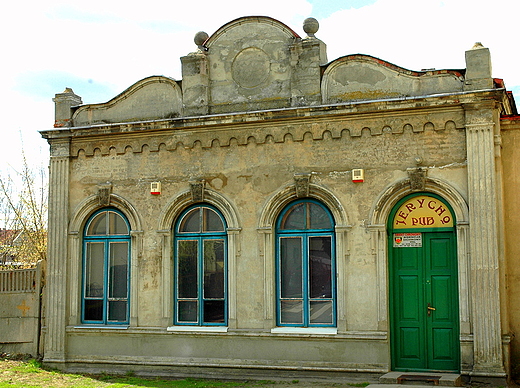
(430, 309)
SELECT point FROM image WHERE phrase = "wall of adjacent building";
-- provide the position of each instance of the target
(511, 169)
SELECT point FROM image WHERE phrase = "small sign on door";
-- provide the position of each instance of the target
(407, 240)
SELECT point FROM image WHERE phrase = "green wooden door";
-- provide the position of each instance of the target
(424, 304)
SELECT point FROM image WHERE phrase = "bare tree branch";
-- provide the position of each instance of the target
(24, 207)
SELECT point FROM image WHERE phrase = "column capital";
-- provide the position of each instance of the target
(59, 148)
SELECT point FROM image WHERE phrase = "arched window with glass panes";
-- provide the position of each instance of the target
(305, 266)
(200, 270)
(106, 268)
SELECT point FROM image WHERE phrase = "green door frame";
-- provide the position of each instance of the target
(423, 296)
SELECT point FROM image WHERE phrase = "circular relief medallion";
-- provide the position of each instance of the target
(251, 67)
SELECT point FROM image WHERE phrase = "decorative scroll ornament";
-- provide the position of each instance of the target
(197, 190)
(103, 193)
(417, 178)
(301, 183)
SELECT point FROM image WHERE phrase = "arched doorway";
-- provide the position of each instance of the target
(423, 285)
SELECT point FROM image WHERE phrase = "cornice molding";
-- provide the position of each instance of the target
(267, 133)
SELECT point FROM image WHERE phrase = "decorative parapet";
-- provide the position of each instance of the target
(363, 77)
(155, 97)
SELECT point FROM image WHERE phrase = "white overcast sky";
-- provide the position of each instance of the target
(101, 47)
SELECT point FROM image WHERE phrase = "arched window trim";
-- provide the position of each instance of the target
(105, 239)
(108, 210)
(305, 235)
(292, 204)
(200, 206)
(201, 238)
(79, 217)
(266, 229)
(165, 229)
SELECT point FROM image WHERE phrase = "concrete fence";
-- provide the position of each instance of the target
(20, 310)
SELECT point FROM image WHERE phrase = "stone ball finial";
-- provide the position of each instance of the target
(310, 26)
(200, 38)
(477, 45)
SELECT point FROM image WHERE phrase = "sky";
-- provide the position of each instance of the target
(101, 47)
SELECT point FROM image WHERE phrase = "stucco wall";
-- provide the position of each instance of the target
(511, 169)
(248, 165)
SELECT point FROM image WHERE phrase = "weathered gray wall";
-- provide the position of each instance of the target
(248, 164)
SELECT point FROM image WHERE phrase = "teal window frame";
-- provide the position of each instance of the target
(286, 270)
(110, 291)
(198, 276)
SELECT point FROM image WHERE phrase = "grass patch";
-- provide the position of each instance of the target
(29, 373)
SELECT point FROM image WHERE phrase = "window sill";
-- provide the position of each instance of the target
(111, 327)
(199, 329)
(305, 330)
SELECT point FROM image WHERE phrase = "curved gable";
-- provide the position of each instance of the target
(362, 77)
(155, 97)
(249, 62)
(244, 23)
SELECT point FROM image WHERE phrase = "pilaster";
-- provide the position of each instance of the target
(267, 254)
(57, 266)
(234, 252)
(137, 249)
(484, 239)
(343, 246)
(378, 240)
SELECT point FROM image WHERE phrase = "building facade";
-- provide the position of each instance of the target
(274, 210)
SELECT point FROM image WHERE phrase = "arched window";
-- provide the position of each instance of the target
(305, 266)
(200, 267)
(106, 268)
